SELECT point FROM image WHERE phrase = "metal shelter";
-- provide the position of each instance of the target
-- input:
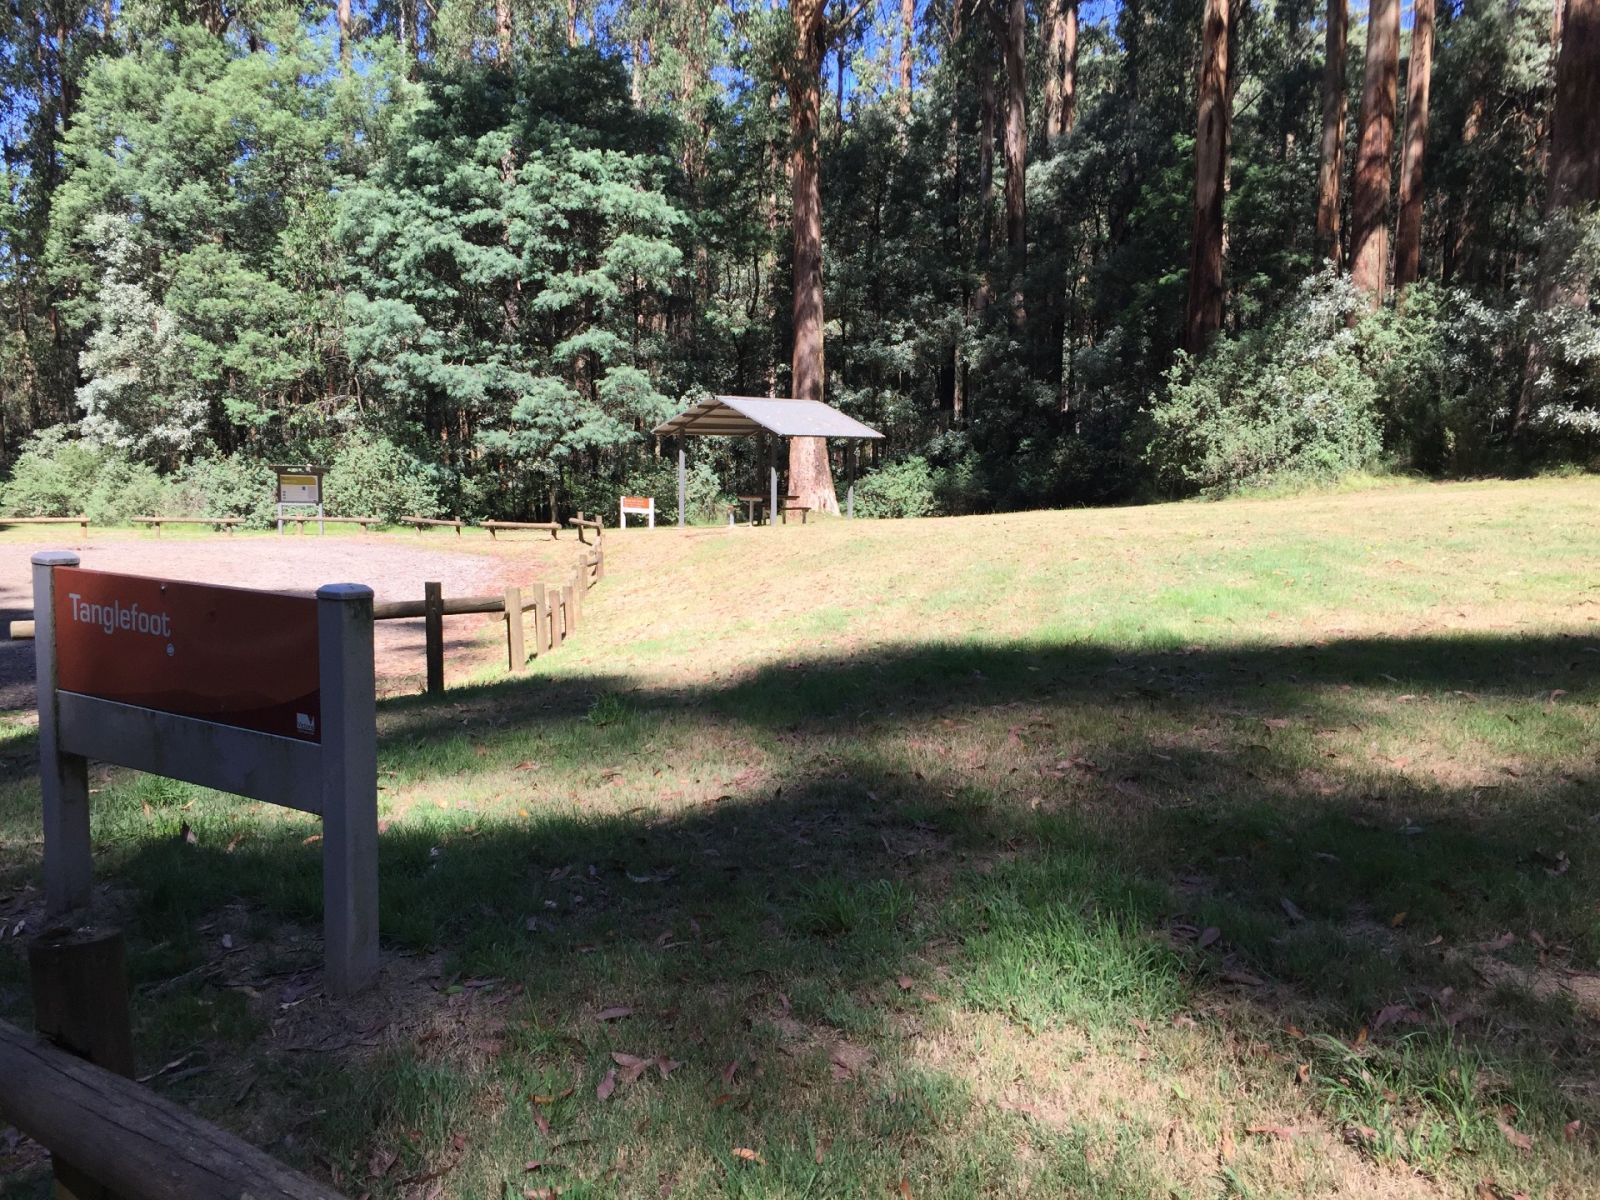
(770, 419)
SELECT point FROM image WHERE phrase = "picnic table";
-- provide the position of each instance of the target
(751, 504)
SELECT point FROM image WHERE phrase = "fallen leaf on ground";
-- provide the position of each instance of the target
(1282, 1132)
(1208, 935)
(1227, 1149)
(632, 1066)
(1515, 1136)
(729, 1071)
(615, 1013)
(540, 1099)
(905, 1188)
(1572, 1130)
(748, 1155)
(1291, 910)
(905, 983)
(608, 1084)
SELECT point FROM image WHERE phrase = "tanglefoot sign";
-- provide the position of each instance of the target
(229, 655)
(263, 694)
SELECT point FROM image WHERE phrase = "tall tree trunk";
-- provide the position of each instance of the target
(1069, 68)
(342, 16)
(988, 101)
(502, 30)
(810, 477)
(1574, 181)
(572, 24)
(1369, 191)
(1060, 36)
(1408, 221)
(908, 34)
(1203, 315)
(1016, 149)
(958, 363)
(1330, 169)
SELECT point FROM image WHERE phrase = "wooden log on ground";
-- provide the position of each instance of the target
(125, 1137)
(419, 523)
(552, 527)
(433, 626)
(81, 521)
(227, 523)
(516, 658)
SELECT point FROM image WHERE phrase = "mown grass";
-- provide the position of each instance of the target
(1167, 851)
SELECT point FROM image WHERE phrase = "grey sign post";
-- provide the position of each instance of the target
(335, 778)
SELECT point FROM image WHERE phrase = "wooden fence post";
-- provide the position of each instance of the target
(514, 651)
(571, 593)
(599, 563)
(560, 622)
(433, 625)
(80, 1002)
(540, 629)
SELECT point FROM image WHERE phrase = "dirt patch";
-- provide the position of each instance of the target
(393, 569)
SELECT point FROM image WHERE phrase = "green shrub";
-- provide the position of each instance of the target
(234, 486)
(57, 475)
(1290, 401)
(901, 489)
(373, 477)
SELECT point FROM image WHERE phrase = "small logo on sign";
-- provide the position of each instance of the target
(305, 723)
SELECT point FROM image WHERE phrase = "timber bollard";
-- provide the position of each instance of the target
(80, 1003)
(433, 625)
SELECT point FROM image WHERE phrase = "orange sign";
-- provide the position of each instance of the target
(229, 655)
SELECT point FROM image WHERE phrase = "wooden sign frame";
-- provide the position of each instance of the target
(335, 778)
(283, 472)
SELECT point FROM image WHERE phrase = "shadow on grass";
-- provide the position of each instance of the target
(1082, 838)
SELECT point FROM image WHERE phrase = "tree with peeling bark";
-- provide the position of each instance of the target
(1330, 164)
(810, 474)
(1203, 313)
(1010, 20)
(1408, 221)
(908, 38)
(1369, 191)
(1572, 187)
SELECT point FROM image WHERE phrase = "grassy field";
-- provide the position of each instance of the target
(1204, 850)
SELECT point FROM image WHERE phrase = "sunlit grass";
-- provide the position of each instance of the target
(1027, 855)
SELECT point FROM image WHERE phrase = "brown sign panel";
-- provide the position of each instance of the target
(229, 655)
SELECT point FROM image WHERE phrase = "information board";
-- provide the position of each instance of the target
(299, 488)
(232, 656)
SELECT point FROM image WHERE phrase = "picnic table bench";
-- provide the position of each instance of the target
(81, 521)
(227, 523)
(792, 504)
(492, 526)
(418, 523)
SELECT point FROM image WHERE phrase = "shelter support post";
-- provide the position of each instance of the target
(772, 469)
(63, 778)
(851, 448)
(683, 484)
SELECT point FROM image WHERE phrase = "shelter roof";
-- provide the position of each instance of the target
(741, 416)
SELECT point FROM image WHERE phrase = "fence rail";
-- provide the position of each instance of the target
(557, 610)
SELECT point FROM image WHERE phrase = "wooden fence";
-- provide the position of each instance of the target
(556, 608)
(69, 1090)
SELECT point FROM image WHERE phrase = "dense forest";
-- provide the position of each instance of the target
(471, 253)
